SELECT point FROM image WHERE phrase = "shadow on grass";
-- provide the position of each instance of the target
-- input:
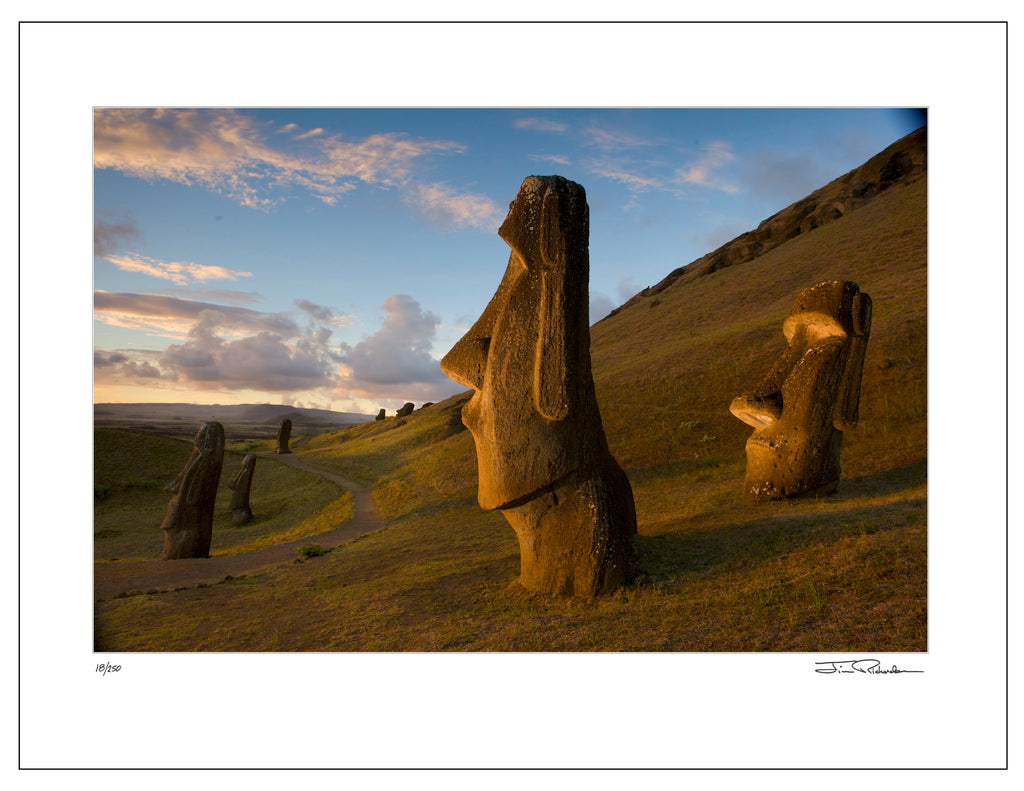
(863, 506)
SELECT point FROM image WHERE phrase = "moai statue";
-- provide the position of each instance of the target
(406, 409)
(188, 524)
(542, 456)
(803, 406)
(283, 435)
(453, 425)
(380, 415)
(241, 513)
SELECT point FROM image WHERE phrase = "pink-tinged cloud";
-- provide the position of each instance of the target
(227, 349)
(174, 316)
(178, 272)
(229, 153)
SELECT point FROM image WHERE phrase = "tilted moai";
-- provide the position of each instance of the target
(406, 410)
(803, 406)
(188, 524)
(283, 435)
(542, 456)
(241, 513)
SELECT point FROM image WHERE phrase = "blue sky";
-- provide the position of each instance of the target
(329, 257)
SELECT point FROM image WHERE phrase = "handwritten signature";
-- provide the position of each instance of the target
(870, 666)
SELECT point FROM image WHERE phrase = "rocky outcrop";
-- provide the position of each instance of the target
(904, 162)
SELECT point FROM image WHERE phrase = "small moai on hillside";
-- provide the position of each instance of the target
(810, 397)
(406, 409)
(241, 513)
(380, 415)
(283, 435)
(542, 455)
(188, 524)
(453, 425)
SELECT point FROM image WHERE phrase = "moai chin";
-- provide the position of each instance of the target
(542, 456)
(241, 512)
(283, 435)
(188, 524)
(801, 408)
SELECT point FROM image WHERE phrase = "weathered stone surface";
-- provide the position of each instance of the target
(241, 513)
(283, 435)
(542, 455)
(406, 409)
(380, 415)
(188, 524)
(810, 396)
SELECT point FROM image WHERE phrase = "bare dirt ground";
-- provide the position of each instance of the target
(151, 576)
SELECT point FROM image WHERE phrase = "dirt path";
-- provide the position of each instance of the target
(151, 576)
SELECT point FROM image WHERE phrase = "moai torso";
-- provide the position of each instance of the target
(810, 397)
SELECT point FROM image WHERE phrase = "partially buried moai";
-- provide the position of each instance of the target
(241, 512)
(188, 524)
(283, 435)
(803, 406)
(542, 456)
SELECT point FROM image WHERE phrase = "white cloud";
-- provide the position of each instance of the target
(396, 361)
(613, 139)
(541, 125)
(179, 272)
(445, 207)
(558, 159)
(626, 288)
(600, 306)
(636, 182)
(702, 171)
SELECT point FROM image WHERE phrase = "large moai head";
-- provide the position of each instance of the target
(810, 397)
(188, 523)
(533, 414)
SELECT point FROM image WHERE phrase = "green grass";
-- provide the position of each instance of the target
(131, 469)
(715, 573)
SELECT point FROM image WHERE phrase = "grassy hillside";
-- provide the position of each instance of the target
(841, 573)
(131, 469)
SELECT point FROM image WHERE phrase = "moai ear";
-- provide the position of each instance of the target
(848, 403)
(550, 375)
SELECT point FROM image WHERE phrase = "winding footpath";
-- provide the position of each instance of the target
(111, 580)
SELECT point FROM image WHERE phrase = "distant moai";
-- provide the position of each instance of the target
(380, 415)
(283, 435)
(453, 425)
(810, 397)
(406, 409)
(241, 513)
(188, 524)
(542, 455)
